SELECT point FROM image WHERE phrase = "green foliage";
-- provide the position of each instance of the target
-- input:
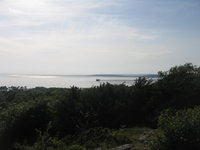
(75, 147)
(177, 88)
(90, 139)
(180, 130)
(184, 71)
(101, 137)
(142, 82)
(19, 121)
(43, 142)
(120, 138)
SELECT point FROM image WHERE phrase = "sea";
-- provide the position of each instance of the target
(67, 81)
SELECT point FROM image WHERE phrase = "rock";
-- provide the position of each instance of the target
(142, 138)
(98, 148)
(145, 136)
(124, 147)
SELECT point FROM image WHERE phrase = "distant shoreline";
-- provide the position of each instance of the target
(89, 75)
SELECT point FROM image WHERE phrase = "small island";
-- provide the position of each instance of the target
(98, 80)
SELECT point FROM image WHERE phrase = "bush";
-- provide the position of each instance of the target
(102, 137)
(180, 130)
(18, 122)
(43, 142)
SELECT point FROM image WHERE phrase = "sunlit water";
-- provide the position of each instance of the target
(82, 81)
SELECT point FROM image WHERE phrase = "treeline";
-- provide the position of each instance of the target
(27, 115)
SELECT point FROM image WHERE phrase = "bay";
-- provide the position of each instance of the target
(65, 81)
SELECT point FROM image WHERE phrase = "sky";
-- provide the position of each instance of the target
(98, 36)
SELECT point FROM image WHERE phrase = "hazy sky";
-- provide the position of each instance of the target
(98, 36)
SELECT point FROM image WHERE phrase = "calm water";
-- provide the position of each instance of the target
(82, 81)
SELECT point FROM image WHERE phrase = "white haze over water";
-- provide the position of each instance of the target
(82, 81)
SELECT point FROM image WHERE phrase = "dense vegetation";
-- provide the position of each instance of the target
(180, 130)
(74, 118)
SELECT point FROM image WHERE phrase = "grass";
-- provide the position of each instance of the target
(137, 137)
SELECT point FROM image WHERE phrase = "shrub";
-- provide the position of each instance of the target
(102, 137)
(180, 130)
(43, 142)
